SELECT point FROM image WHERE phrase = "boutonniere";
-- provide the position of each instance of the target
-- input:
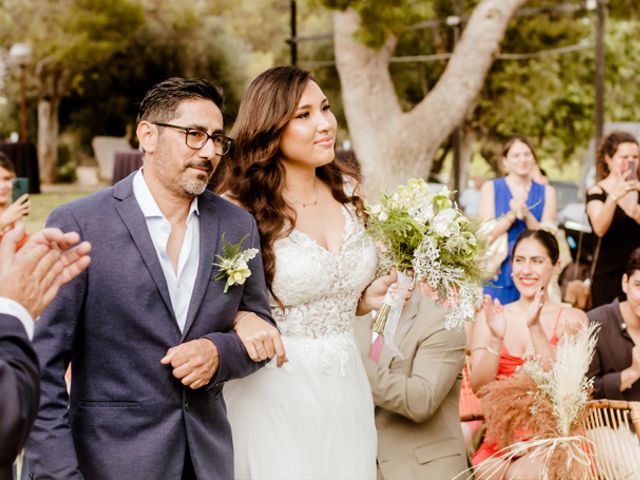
(233, 263)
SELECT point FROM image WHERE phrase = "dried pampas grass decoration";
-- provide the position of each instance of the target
(541, 413)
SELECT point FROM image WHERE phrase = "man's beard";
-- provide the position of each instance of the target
(194, 186)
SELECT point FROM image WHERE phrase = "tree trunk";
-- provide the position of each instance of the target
(53, 82)
(48, 135)
(392, 145)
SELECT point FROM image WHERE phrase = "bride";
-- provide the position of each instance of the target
(312, 418)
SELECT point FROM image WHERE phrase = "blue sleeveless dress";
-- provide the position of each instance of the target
(503, 288)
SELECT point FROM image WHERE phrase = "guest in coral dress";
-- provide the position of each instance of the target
(505, 336)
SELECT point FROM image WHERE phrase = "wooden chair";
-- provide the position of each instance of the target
(614, 428)
(612, 425)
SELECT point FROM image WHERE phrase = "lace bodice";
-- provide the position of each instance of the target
(321, 290)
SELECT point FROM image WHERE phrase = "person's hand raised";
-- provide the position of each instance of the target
(15, 212)
(622, 185)
(533, 315)
(494, 314)
(33, 276)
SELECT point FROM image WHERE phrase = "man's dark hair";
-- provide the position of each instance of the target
(633, 263)
(161, 102)
(6, 163)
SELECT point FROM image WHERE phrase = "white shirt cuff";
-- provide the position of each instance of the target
(13, 308)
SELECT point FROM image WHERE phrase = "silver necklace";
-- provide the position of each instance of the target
(305, 205)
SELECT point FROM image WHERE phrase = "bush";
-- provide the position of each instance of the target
(66, 166)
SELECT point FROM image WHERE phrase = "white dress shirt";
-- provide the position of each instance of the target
(13, 308)
(180, 283)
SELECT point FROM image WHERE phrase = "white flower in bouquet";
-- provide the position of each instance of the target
(446, 223)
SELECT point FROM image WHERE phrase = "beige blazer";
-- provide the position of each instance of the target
(416, 397)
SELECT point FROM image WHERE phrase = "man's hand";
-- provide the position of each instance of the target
(194, 363)
(33, 276)
(261, 339)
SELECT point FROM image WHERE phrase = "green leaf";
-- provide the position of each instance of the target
(232, 250)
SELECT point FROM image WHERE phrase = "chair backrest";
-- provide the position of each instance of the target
(614, 428)
(104, 149)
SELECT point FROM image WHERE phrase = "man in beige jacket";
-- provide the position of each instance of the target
(416, 395)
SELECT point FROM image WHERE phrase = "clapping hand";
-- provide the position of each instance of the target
(533, 315)
(33, 276)
(494, 314)
(519, 206)
(14, 212)
(261, 339)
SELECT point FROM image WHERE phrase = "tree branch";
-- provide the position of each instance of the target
(463, 78)
(363, 72)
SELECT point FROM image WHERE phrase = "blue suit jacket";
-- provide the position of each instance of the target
(128, 417)
(19, 391)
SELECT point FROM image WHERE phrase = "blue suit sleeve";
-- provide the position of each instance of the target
(20, 388)
(234, 360)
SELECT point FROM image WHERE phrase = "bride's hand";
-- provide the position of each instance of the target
(261, 339)
(373, 295)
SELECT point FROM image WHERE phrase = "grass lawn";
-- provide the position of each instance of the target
(50, 198)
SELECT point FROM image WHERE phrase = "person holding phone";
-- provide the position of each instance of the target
(613, 208)
(12, 209)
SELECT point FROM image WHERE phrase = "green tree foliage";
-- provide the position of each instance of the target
(549, 98)
(97, 58)
(175, 40)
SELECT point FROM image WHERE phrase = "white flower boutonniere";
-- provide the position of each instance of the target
(233, 263)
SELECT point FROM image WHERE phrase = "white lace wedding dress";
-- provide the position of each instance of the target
(313, 418)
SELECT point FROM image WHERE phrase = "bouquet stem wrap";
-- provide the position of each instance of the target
(386, 321)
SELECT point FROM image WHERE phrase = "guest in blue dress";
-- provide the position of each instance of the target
(518, 203)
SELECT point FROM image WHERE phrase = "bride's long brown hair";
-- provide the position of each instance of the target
(252, 172)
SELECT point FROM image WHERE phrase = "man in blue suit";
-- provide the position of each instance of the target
(148, 328)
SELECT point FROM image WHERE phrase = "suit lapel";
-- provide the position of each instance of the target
(209, 228)
(132, 216)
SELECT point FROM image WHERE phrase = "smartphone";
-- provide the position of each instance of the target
(633, 167)
(20, 187)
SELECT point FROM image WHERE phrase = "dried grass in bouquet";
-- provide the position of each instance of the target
(541, 413)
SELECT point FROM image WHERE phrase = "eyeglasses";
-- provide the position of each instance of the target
(197, 139)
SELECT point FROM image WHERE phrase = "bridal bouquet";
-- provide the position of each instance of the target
(548, 407)
(423, 231)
